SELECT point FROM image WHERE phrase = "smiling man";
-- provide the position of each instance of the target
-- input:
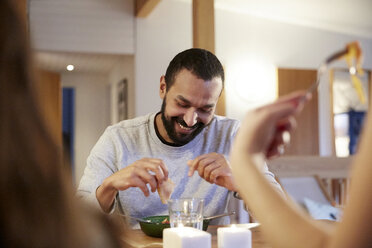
(132, 158)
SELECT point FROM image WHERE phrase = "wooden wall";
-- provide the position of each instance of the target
(305, 139)
(204, 36)
(49, 95)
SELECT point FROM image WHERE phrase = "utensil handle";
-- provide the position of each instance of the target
(218, 216)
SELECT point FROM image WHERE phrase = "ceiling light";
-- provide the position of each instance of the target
(70, 67)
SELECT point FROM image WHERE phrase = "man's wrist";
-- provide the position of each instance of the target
(106, 194)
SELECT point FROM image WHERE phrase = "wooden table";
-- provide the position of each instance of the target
(137, 239)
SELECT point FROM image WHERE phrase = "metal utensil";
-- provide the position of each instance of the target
(321, 70)
(335, 56)
(135, 218)
(218, 216)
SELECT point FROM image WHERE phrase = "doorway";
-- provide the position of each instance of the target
(68, 124)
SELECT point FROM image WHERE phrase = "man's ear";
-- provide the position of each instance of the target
(163, 87)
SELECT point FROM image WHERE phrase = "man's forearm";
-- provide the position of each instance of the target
(106, 194)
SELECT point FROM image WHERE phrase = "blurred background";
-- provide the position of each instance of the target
(119, 49)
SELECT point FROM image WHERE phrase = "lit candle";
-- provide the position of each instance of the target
(186, 237)
(234, 237)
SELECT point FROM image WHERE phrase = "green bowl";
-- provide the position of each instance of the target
(156, 227)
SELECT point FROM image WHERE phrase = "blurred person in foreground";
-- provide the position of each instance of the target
(38, 207)
(283, 223)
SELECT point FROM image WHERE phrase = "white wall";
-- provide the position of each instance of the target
(159, 37)
(91, 100)
(241, 42)
(98, 26)
(241, 39)
(122, 70)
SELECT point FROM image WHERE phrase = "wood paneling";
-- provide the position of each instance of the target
(144, 7)
(221, 105)
(48, 91)
(203, 24)
(305, 139)
(23, 8)
(204, 37)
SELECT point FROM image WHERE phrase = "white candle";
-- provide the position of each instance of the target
(186, 237)
(234, 237)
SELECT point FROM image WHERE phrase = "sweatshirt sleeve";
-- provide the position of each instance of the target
(101, 163)
(271, 178)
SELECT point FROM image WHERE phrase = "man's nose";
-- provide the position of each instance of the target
(190, 117)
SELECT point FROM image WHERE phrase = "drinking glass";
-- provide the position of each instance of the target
(186, 212)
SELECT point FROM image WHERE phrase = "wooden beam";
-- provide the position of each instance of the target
(203, 24)
(144, 7)
(22, 7)
(370, 88)
(49, 96)
(332, 114)
(204, 37)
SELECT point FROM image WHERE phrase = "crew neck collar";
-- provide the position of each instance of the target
(167, 145)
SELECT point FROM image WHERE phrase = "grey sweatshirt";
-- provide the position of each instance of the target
(130, 140)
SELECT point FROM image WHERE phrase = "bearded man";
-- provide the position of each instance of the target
(133, 157)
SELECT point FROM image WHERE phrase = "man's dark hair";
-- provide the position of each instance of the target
(200, 62)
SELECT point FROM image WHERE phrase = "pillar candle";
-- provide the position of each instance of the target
(234, 237)
(186, 237)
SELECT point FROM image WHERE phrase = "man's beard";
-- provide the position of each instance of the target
(169, 125)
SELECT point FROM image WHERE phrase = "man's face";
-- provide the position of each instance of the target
(188, 106)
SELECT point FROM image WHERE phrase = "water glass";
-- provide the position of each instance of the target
(186, 212)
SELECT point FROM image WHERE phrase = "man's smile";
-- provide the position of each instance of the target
(184, 126)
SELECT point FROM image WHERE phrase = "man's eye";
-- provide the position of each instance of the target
(182, 105)
(206, 110)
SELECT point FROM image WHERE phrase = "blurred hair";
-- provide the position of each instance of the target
(38, 207)
(200, 62)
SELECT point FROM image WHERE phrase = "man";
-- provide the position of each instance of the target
(134, 156)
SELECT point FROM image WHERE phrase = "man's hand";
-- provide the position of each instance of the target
(214, 168)
(143, 172)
